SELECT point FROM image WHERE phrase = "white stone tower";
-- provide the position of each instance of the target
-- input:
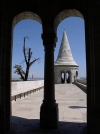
(66, 69)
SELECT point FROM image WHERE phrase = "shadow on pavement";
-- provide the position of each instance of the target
(31, 126)
(75, 107)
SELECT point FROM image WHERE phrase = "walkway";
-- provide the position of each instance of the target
(72, 112)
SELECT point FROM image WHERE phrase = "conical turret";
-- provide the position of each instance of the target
(65, 55)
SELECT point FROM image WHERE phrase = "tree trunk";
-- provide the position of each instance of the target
(27, 71)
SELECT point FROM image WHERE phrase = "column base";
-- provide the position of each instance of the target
(49, 116)
(2, 120)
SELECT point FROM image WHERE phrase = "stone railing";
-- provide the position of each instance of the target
(21, 89)
(81, 83)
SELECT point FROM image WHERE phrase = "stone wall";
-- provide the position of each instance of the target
(23, 88)
(81, 83)
(58, 69)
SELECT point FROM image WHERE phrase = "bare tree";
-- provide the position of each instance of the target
(27, 59)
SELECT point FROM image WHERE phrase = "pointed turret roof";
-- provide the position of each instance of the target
(65, 55)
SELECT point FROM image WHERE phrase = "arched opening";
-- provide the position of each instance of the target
(73, 21)
(65, 14)
(68, 77)
(60, 23)
(76, 73)
(62, 77)
(25, 15)
(26, 24)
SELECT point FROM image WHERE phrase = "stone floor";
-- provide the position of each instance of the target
(72, 112)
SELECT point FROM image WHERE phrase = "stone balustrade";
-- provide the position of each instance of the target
(21, 89)
(81, 83)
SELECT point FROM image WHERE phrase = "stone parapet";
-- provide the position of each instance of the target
(23, 88)
(81, 83)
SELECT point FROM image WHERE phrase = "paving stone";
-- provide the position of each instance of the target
(72, 112)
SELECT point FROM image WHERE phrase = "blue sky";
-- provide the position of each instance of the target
(76, 36)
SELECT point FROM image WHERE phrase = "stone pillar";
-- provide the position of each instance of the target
(49, 108)
(70, 74)
(65, 78)
(2, 119)
(2, 109)
(5, 71)
(92, 32)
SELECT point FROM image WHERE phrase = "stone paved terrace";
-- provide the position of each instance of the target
(72, 112)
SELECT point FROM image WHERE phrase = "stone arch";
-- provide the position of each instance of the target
(62, 76)
(19, 17)
(25, 15)
(76, 73)
(68, 76)
(65, 14)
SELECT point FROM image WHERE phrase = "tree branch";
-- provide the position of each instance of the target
(19, 71)
(33, 61)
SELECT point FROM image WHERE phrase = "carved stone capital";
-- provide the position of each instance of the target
(49, 39)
